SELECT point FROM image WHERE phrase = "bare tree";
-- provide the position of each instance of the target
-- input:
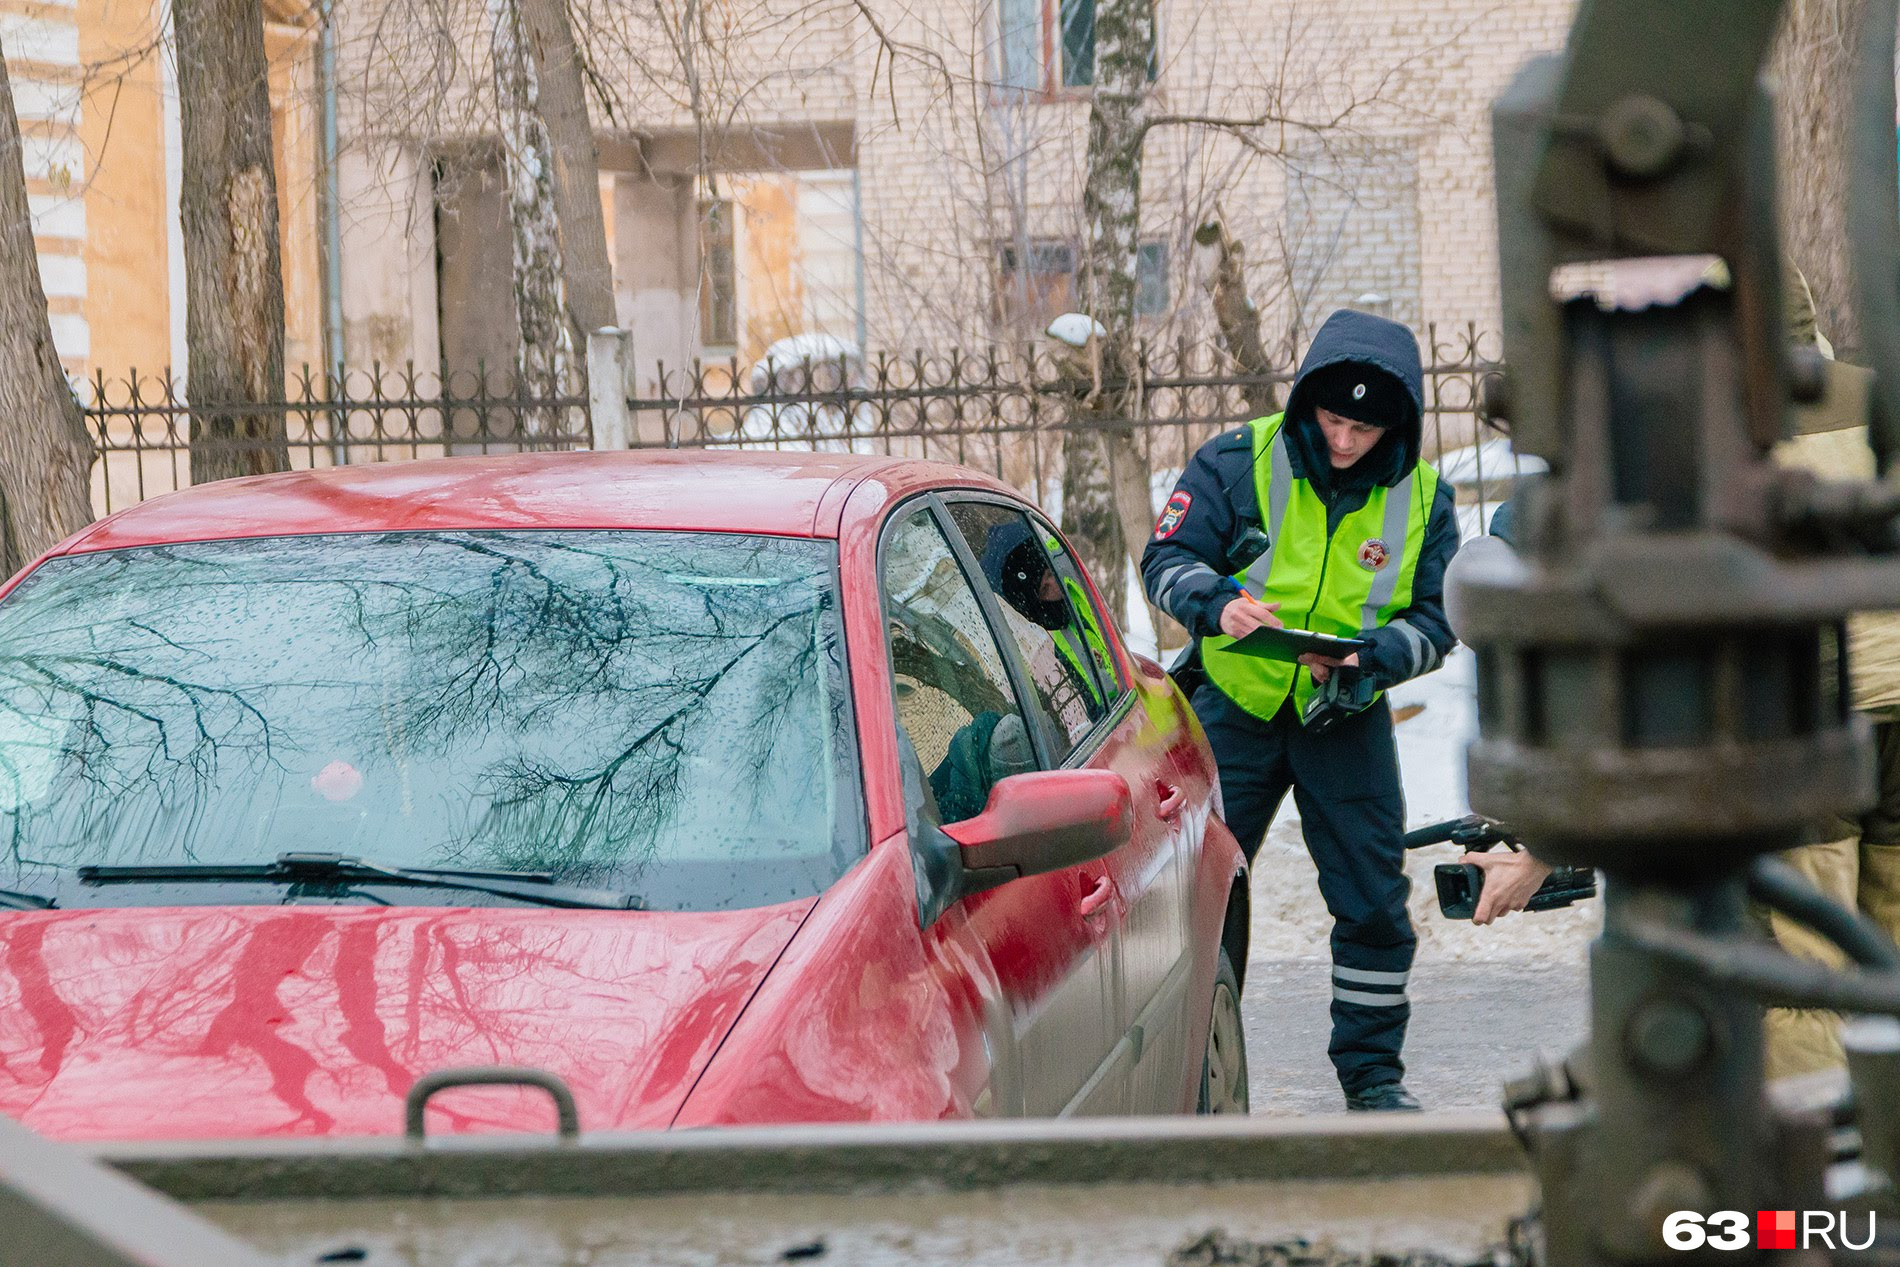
(44, 452)
(234, 282)
(1235, 312)
(1105, 501)
(1813, 63)
(561, 78)
(546, 348)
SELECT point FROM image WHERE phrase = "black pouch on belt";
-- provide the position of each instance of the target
(1344, 692)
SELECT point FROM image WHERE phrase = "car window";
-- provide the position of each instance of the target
(657, 713)
(955, 704)
(1095, 622)
(1059, 646)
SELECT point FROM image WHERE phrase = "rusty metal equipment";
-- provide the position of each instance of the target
(1108, 1193)
(1662, 668)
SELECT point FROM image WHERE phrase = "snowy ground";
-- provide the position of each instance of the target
(1485, 1001)
(1290, 923)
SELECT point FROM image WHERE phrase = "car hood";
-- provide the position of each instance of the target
(233, 1022)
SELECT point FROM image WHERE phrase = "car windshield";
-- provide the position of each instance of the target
(662, 714)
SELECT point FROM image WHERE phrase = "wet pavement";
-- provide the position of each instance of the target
(1474, 1024)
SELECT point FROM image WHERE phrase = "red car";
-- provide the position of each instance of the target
(724, 788)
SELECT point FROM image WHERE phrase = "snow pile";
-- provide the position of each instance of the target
(1490, 462)
(1290, 921)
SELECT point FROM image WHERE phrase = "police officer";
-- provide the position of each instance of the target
(1017, 568)
(1322, 518)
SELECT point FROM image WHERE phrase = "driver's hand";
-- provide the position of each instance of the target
(1322, 666)
(1245, 614)
(1510, 879)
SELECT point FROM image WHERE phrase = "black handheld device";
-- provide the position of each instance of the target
(1460, 884)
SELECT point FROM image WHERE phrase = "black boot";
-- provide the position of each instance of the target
(1383, 1097)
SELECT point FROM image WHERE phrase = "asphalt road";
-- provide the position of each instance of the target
(1474, 1024)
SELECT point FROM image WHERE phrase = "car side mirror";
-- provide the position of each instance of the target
(1043, 821)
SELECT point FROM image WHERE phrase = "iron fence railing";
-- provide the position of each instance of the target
(1004, 410)
(141, 424)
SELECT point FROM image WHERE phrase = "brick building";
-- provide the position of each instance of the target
(903, 174)
(917, 184)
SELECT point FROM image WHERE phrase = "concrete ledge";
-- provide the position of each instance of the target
(857, 1160)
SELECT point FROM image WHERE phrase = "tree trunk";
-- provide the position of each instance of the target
(1106, 508)
(45, 455)
(546, 348)
(234, 282)
(1236, 315)
(586, 271)
(1813, 64)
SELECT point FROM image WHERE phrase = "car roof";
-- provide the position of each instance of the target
(786, 494)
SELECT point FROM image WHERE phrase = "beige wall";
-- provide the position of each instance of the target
(388, 264)
(127, 296)
(950, 169)
(104, 208)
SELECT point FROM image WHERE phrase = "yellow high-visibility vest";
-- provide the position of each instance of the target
(1090, 648)
(1354, 578)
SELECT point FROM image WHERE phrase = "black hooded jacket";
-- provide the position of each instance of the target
(1212, 526)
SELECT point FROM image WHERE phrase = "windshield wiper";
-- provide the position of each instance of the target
(325, 869)
(15, 900)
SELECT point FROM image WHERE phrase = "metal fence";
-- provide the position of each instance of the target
(141, 423)
(1004, 410)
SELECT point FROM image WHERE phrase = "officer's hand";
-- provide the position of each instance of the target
(1245, 614)
(1322, 666)
(1510, 879)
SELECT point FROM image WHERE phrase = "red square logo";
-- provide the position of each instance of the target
(1774, 1229)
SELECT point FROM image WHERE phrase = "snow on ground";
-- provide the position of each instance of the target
(1290, 922)
(1489, 462)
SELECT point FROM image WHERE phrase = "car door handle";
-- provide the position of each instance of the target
(1096, 898)
(1172, 799)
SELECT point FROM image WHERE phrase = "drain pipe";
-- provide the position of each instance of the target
(332, 233)
(857, 243)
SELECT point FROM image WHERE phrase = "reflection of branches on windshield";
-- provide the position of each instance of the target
(613, 813)
(562, 693)
(575, 683)
(126, 728)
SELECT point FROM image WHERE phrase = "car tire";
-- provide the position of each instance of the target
(1224, 1062)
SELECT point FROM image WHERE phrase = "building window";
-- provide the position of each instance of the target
(1038, 285)
(718, 275)
(1352, 230)
(1035, 285)
(1019, 44)
(1046, 46)
(1078, 42)
(1151, 277)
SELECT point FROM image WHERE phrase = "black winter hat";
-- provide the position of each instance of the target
(1361, 392)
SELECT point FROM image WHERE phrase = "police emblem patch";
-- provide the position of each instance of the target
(1373, 554)
(1172, 514)
(1359, 391)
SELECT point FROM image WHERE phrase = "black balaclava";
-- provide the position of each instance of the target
(1015, 566)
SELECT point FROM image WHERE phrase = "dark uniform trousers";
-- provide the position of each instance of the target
(1352, 809)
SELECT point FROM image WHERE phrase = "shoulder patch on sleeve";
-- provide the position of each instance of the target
(1172, 514)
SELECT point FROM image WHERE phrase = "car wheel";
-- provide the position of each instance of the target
(1224, 1066)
